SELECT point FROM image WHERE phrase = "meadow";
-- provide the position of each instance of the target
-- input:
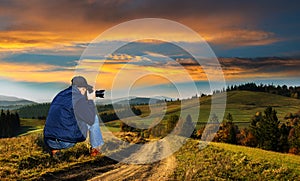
(242, 105)
(25, 157)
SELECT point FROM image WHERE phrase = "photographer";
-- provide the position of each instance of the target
(71, 115)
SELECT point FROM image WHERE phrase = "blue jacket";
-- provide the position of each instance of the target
(68, 116)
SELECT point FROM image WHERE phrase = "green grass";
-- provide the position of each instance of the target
(286, 160)
(29, 126)
(241, 104)
(244, 104)
(112, 126)
(228, 162)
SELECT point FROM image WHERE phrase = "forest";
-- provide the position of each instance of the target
(34, 111)
(284, 90)
(9, 124)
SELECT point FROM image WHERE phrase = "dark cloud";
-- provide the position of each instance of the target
(33, 13)
(230, 23)
(261, 65)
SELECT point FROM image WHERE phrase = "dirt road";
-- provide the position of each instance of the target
(105, 168)
(159, 170)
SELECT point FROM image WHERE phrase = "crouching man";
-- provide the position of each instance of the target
(71, 115)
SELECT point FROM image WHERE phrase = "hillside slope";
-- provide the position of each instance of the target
(221, 161)
(23, 158)
(243, 105)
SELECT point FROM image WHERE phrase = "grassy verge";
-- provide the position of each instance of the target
(286, 160)
(221, 162)
(24, 158)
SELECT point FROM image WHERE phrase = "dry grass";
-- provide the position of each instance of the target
(220, 163)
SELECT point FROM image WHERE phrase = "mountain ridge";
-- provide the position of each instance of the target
(8, 101)
(133, 100)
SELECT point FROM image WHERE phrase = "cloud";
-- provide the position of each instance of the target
(35, 72)
(41, 41)
(252, 68)
(51, 24)
(238, 38)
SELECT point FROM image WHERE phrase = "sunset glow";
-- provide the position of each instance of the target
(42, 42)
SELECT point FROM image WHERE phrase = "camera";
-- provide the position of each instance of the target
(98, 93)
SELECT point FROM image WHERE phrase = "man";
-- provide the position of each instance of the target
(71, 115)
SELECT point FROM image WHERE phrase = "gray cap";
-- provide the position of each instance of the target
(80, 81)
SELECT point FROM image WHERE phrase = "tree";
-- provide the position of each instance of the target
(233, 129)
(255, 131)
(187, 128)
(283, 145)
(294, 140)
(246, 138)
(2, 124)
(9, 124)
(228, 131)
(266, 129)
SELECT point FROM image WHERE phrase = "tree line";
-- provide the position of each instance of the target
(35, 111)
(9, 124)
(265, 131)
(284, 90)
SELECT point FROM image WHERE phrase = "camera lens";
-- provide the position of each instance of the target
(99, 93)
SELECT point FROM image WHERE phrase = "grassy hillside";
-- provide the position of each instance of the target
(241, 104)
(221, 161)
(244, 104)
(23, 158)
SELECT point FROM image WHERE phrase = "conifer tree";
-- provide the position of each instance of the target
(266, 129)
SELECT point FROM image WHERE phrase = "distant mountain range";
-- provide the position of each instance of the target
(9, 102)
(134, 100)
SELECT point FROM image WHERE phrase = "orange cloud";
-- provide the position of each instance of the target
(123, 74)
(14, 41)
(34, 72)
(243, 38)
(51, 25)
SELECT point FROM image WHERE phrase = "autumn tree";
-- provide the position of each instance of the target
(228, 131)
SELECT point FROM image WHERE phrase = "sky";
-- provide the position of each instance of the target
(42, 43)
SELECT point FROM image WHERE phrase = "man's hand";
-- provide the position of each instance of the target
(91, 96)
